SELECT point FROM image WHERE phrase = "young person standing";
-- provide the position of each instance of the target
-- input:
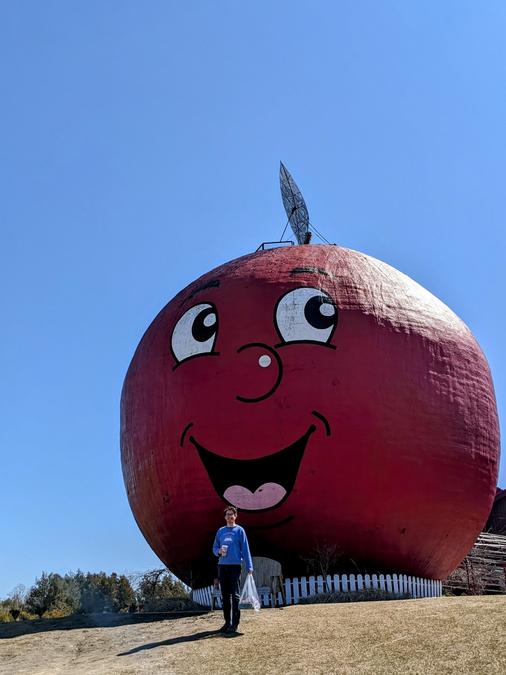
(231, 546)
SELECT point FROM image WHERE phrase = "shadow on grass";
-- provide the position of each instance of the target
(203, 635)
(17, 628)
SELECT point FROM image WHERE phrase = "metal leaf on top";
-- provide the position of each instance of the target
(295, 206)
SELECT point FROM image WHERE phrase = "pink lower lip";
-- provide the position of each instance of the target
(266, 496)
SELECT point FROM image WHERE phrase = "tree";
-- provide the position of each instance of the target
(16, 601)
(323, 559)
(48, 593)
(103, 593)
(73, 590)
(158, 589)
(125, 596)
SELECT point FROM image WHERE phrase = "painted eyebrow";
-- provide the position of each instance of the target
(214, 283)
(315, 270)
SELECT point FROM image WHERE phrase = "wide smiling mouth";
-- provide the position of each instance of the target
(255, 484)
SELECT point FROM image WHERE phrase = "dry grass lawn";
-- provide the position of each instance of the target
(444, 635)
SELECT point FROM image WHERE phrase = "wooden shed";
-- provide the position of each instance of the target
(496, 523)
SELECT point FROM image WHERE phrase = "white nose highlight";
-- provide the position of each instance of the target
(264, 361)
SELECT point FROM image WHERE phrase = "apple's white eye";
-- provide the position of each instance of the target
(306, 315)
(195, 332)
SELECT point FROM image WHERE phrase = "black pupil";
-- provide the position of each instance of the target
(200, 331)
(314, 315)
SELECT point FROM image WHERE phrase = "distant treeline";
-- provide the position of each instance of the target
(53, 595)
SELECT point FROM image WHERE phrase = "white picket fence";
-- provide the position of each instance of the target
(394, 584)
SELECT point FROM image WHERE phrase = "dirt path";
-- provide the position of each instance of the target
(446, 635)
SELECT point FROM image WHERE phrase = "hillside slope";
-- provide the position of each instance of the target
(443, 635)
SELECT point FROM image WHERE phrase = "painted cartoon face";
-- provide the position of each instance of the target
(305, 315)
(312, 388)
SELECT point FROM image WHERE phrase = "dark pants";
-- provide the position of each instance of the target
(230, 580)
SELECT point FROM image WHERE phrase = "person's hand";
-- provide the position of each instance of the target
(250, 573)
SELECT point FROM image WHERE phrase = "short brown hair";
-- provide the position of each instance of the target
(230, 508)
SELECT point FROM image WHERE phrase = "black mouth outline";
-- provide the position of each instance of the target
(280, 467)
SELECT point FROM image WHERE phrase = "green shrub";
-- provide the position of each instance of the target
(5, 616)
(366, 595)
(54, 596)
(57, 613)
(170, 605)
(26, 616)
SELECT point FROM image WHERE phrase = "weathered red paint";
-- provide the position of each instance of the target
(407, 476)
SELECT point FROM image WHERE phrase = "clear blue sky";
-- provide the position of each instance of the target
(140, 145)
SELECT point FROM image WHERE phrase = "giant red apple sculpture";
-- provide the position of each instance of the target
(329, 397)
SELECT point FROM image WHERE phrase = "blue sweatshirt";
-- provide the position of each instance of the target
(238, 548)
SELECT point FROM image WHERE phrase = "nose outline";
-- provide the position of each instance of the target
(279, 363)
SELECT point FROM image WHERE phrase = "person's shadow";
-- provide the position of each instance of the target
(203, 635)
